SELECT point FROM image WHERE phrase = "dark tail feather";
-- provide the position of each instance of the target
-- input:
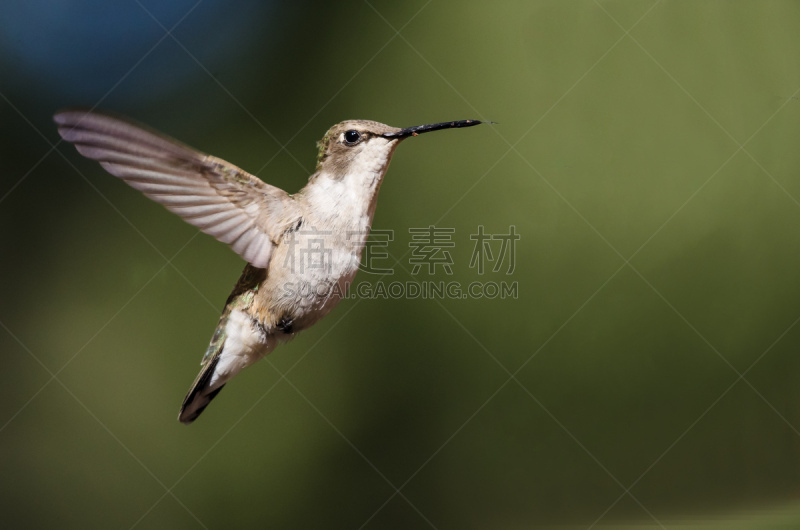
(199, 396)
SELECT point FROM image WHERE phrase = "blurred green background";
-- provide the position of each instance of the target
(646, 152)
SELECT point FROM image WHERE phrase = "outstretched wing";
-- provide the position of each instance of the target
(219, 198)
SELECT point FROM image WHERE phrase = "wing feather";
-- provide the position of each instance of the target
(219, 198)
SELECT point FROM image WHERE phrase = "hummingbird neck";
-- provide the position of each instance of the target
(345, 191)
(347, 203)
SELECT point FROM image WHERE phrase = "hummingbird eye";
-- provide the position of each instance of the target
(352, 137)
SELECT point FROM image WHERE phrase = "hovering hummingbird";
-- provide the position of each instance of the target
(281, 291)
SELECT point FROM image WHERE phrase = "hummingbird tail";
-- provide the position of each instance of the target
(200, 395)
(236, 343)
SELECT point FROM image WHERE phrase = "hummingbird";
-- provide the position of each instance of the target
(302, 250)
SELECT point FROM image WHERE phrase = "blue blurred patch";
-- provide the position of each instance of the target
(82, 49)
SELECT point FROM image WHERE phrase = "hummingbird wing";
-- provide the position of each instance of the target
(221, 199)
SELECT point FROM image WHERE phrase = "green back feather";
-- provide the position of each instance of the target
(241, 298)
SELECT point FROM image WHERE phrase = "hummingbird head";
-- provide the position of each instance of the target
(357, 146)
(354, 144)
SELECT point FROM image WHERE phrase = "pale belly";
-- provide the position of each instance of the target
(308, 285)
(297, 303)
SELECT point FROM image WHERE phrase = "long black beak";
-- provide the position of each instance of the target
(419, 129)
